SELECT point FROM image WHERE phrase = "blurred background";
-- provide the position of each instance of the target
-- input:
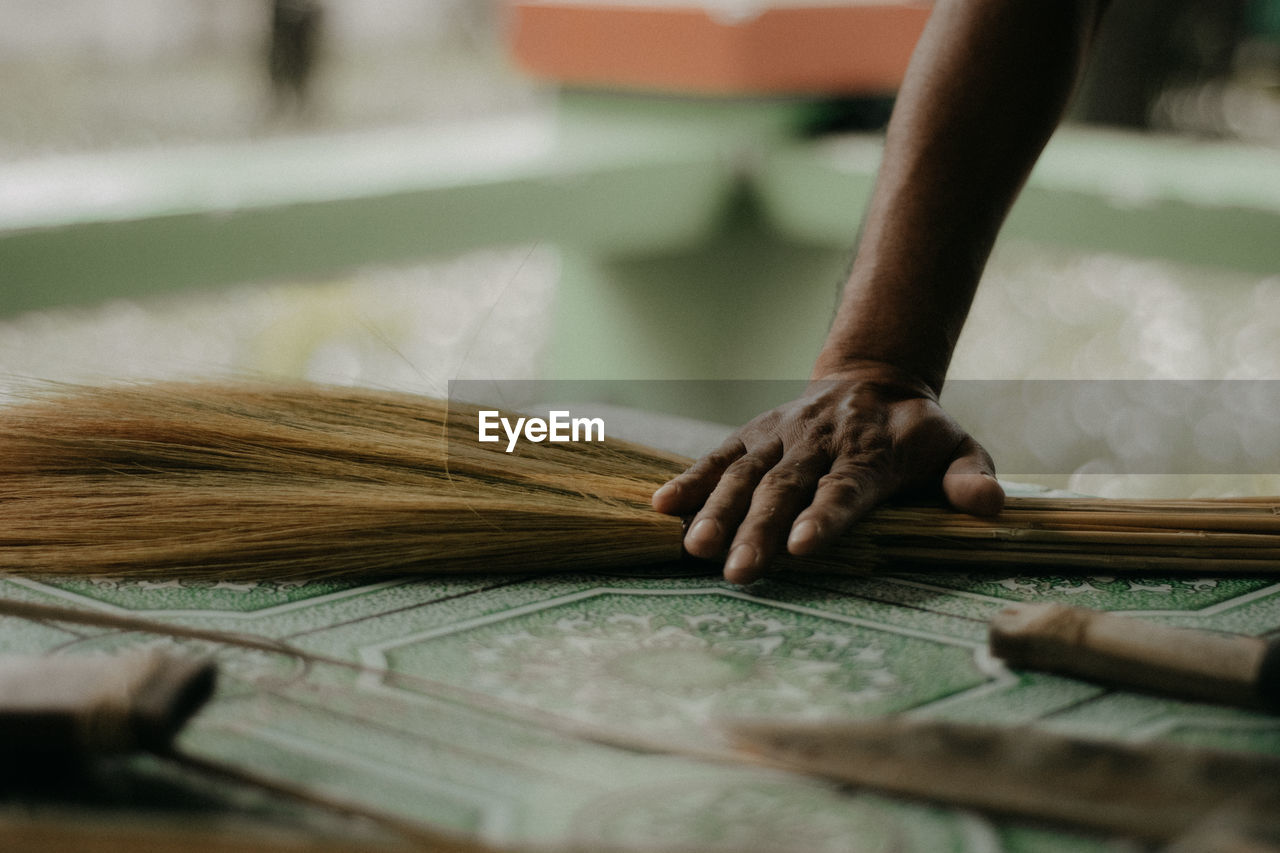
(88, 82)
(99, 74)
(137, 136)
(83, 75)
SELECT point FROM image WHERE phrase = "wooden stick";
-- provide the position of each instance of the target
(73, 707)
(895, 556)
(71, 832)
(420, 834)
(1153, 790)
(1130, 652)
(1239, 827)
(1171, 518)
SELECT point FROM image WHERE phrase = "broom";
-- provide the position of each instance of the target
(242, 480)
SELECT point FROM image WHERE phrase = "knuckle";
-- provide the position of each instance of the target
(869, 460)
(722, 456)
(711, 465)
(695, 477)
(722, 513)
(749, 468)
(786, 479)
(843, 479)
(697, 473)
(818, 434)
(769, 450)
(761, 529)
(857, 437)
(842, 486)
(693, 470)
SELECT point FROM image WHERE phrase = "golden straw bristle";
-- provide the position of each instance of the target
(293, 482)
(301, 482)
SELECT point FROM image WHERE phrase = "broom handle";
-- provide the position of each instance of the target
(78, 706)
(1133, 652)
(76, 832)
(1154, 790)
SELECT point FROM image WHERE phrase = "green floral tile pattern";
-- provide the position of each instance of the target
(175, 594)
(672, 663)
(452, 701)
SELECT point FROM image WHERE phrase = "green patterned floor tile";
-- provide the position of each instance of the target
(194, 595)
(1104, 592)
(670, 660)
(725, 815)
(450, 698)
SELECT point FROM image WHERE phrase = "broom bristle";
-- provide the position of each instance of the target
(299, 482)
(307, 482)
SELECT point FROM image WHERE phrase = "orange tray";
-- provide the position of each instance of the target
(857, 47)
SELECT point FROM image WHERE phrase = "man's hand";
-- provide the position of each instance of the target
(803, 473)
(986, 86)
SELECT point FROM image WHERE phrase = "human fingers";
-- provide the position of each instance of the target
(729, 501)
(844, 494)
(684, 494)
(969, 483)
(782, 493)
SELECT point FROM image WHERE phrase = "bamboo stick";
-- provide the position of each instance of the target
(67, 831)
(70, 708)
(1136, 653)
(1152, 790)
(939, 557)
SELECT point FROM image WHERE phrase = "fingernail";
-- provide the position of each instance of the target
(802, 536)
(703, 532)
(741, 559)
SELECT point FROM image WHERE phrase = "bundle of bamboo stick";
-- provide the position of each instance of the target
(1209, 535)
(295, 482)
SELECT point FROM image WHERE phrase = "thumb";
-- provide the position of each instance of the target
(970, 481)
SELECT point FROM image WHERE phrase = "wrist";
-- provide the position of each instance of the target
(903, 380)
(892, 325)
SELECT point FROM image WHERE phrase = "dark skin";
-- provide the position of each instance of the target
(985, 89)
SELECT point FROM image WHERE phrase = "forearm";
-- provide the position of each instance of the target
(985, 89)
(987, 85)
